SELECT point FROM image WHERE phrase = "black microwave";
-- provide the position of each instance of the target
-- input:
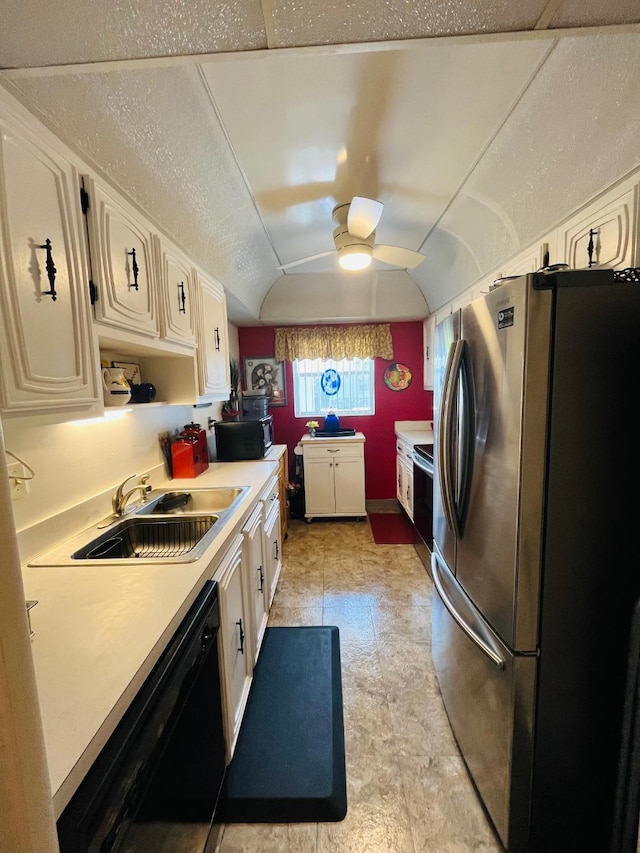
(237, 440)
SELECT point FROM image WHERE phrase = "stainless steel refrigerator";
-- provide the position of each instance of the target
(535, 513)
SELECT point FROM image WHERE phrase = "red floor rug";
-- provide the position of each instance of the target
(391, 528)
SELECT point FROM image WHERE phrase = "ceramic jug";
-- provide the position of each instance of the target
(117, 391)
(332, 422)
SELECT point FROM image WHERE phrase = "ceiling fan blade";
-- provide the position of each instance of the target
(364, 215)
(405, 258)
(306, 260)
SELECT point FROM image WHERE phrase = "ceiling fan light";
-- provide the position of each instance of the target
(354, 257)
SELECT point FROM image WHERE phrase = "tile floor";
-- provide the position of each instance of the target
(407, 788)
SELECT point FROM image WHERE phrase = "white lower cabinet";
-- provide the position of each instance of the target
(334, 482)
(272, 543)
(272, 535)
(404, 483)
(257, 582)
(237, 664)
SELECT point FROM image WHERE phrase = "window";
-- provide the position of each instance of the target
(345, 387)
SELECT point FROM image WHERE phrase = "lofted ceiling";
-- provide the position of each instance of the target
(238, 127)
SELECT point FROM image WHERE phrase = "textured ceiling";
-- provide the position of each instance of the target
(477, 125)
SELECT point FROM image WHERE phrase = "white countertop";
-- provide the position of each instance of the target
(324, 439)
(414, 432)
(99, 631)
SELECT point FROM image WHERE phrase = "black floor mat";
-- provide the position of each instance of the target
(289, 761)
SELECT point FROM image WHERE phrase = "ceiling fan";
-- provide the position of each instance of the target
(354, 238)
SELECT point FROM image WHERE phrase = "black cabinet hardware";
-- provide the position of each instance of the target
(51, 271)
(593, 232)
(134, 267)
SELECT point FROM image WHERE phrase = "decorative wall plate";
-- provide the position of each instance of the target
(397, 376)
(330, 382)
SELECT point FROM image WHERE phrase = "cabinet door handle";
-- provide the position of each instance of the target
(135, 268)
(593, 232)
(216, 333)
(276, 548)
(261, 573)
(51, 271)
(182, 299)
(241, 648)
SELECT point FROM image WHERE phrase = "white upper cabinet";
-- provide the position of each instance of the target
(211, 333)
(121, 259)
(175, 294)
(532, 259)
(428, 331)
(605, 234)
(46, 347)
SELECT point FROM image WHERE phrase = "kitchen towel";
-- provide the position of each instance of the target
(289, 761)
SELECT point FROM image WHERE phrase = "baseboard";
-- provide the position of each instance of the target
(425, 555)
(386, 505)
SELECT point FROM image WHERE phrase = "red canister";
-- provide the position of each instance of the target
(191, 454)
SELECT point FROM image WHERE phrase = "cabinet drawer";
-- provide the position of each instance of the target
(271, 492)
(331, 451)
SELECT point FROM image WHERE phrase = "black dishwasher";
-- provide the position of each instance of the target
(166, 759)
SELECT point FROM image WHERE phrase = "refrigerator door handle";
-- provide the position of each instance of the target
(445, 426)
(478, 633)
(465, 441)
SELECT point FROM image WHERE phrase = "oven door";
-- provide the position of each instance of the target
(423, 499)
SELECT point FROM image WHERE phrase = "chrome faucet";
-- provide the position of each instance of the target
(121, 498)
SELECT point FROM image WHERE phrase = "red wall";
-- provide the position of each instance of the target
(414, 403)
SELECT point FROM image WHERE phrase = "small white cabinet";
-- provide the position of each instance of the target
(404, 476)
(211, 331)
(121, 259)
(235, 654)
(334, 479)
(175, 294)
(428, 332)
(532, 259)
(256, 577)
(47, 357)
(605, 234)
(272, 535)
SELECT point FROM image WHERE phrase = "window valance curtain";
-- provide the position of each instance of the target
(336, 342)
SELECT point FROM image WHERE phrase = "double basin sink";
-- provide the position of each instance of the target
(169, 527)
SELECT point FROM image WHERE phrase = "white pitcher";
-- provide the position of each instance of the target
(117, 391)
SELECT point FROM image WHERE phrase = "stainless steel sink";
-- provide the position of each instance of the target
(170, 527)
(142, 538)
(171, 502)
